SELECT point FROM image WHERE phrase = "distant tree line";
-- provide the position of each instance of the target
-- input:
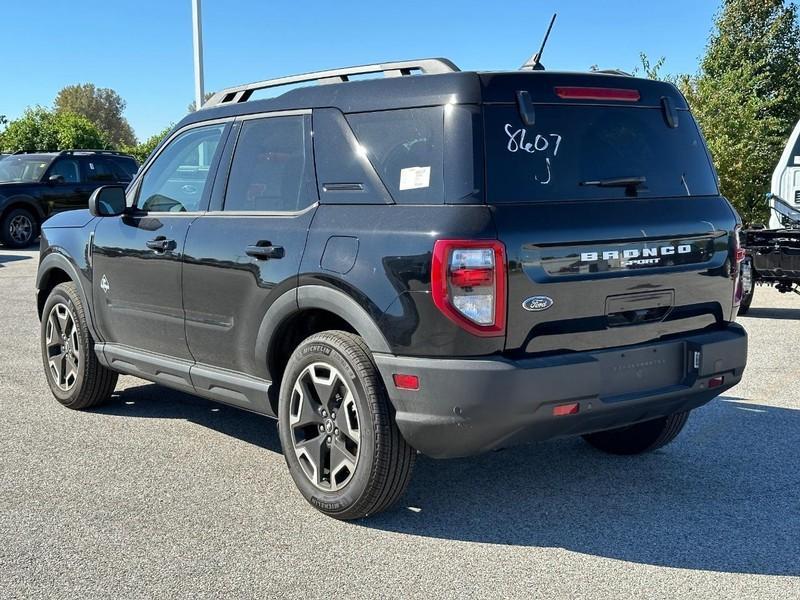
(82, 116)
(745, 95)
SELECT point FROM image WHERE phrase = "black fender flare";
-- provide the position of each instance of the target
(323, 298)
(54, 260)
(26, 201)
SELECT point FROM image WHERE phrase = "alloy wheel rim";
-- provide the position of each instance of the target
(21, 229)
(63, 347)
(324, 427)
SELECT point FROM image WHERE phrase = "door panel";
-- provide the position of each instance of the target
(231, 275)
(69, 193)
(136, 289)
(227, 293)
(137, 259)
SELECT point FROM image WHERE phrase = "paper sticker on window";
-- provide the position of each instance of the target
(797, 160)
(91, 166)
(414, 178)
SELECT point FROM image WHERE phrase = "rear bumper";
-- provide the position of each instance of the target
(469, 406)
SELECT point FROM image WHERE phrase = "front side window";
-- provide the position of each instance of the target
(177, 178)
(66, 169)
(271, 169)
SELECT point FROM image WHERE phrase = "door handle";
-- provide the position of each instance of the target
(160, 244)
(264, 250)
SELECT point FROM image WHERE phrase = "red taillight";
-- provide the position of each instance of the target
(468, 284)
(715, 382)
(597, 93)
(566, 409)
(472, 277)
(406, 382)
(740, 254)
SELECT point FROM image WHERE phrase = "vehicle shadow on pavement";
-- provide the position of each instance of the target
(774, 313)
(725, 496)
(157, 402)
(7, 258)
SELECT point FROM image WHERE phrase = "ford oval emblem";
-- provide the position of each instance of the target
(537, 303)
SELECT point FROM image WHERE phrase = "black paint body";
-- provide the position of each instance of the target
(205, 316)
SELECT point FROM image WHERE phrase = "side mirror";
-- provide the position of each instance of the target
(108, 201)
(55, 179)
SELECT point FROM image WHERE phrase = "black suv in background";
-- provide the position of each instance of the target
(37, 185)
(445, 263)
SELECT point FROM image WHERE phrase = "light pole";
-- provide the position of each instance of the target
(197, 38)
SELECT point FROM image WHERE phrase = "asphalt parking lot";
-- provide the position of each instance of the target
(159, 495)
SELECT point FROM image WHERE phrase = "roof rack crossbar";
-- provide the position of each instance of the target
(242, 93)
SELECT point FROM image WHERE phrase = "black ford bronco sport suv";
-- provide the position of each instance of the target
(35, 186)
(433, 261)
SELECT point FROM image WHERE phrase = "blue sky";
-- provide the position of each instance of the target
(143, 48)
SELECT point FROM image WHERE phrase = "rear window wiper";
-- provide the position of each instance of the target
(631, 184)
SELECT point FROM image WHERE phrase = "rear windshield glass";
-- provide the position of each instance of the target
(574, 152)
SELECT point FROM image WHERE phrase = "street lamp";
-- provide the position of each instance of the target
(197, 39)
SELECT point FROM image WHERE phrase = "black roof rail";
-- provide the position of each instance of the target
(93, 151)
(619, 72)
(242, 93)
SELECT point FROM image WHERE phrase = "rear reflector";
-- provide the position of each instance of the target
(406, 382)
(566, 409)
(716, 382)
(596, 93)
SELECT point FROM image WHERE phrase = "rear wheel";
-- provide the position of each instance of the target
(76, 377)
(18, 228)
(639, 438)
(337, 429)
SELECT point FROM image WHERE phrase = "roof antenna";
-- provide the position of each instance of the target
(533, 63)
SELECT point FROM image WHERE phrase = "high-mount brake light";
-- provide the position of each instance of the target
(468, 284)
(598, 93)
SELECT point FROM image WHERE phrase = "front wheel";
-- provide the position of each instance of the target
(337, 429)
(76, 377)
(639, 438)
(18, 228)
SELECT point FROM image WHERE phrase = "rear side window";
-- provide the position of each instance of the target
(124, 168)
(406, 147)
(97, 170)
(271, 169)
(572, 148)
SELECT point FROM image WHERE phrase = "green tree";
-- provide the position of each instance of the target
(141, 151)
(746, 96)
(41, 130)
(101, 106)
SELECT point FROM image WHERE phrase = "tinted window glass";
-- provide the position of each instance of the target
(176, 180)
(124, 168)
(405, 147)
(97, 170)
(67, 169)
(571, 145)
(270, 170)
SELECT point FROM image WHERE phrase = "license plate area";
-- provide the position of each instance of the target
(642, 369)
